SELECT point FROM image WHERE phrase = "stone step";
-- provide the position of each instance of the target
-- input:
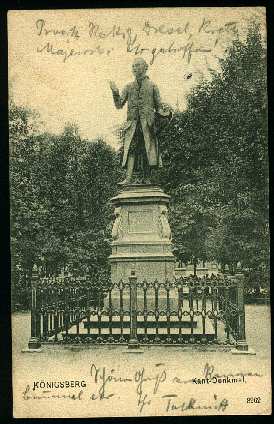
(175, 327)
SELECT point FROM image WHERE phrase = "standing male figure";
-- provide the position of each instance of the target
(141, 148)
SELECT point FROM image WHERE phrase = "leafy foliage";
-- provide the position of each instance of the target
(60, 199)
(215, 157)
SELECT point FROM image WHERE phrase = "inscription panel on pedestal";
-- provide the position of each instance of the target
(141, 221)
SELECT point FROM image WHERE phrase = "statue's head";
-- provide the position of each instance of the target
(139, 67)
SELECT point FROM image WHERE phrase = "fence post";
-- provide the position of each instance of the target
(241, 343)
(133, 341)
(35, 339)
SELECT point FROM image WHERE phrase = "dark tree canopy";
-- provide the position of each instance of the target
(216, 156)
(60, 191)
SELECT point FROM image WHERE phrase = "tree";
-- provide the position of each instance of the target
(215, 156)
(60, 192)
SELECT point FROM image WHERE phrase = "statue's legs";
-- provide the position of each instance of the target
(137, 160)
(141, 162)
(146, 170)
(130, 166)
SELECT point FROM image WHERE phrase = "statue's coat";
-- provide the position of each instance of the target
(142, 101)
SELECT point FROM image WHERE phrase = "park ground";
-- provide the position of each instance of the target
(166, 376)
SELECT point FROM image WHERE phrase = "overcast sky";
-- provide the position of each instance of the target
(60, 61)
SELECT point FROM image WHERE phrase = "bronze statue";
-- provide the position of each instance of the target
(141, 146)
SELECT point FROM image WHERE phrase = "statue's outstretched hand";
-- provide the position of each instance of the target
(113, 86)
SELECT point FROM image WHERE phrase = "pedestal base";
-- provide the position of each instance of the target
(146, 267)
(141, 235)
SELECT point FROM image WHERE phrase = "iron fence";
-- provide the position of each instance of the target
(186, 310)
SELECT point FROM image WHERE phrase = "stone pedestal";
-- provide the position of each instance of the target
(141, 235)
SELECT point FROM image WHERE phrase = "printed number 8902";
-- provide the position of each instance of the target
(253, 400)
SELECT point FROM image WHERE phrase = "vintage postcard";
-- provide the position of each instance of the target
(139, 212)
